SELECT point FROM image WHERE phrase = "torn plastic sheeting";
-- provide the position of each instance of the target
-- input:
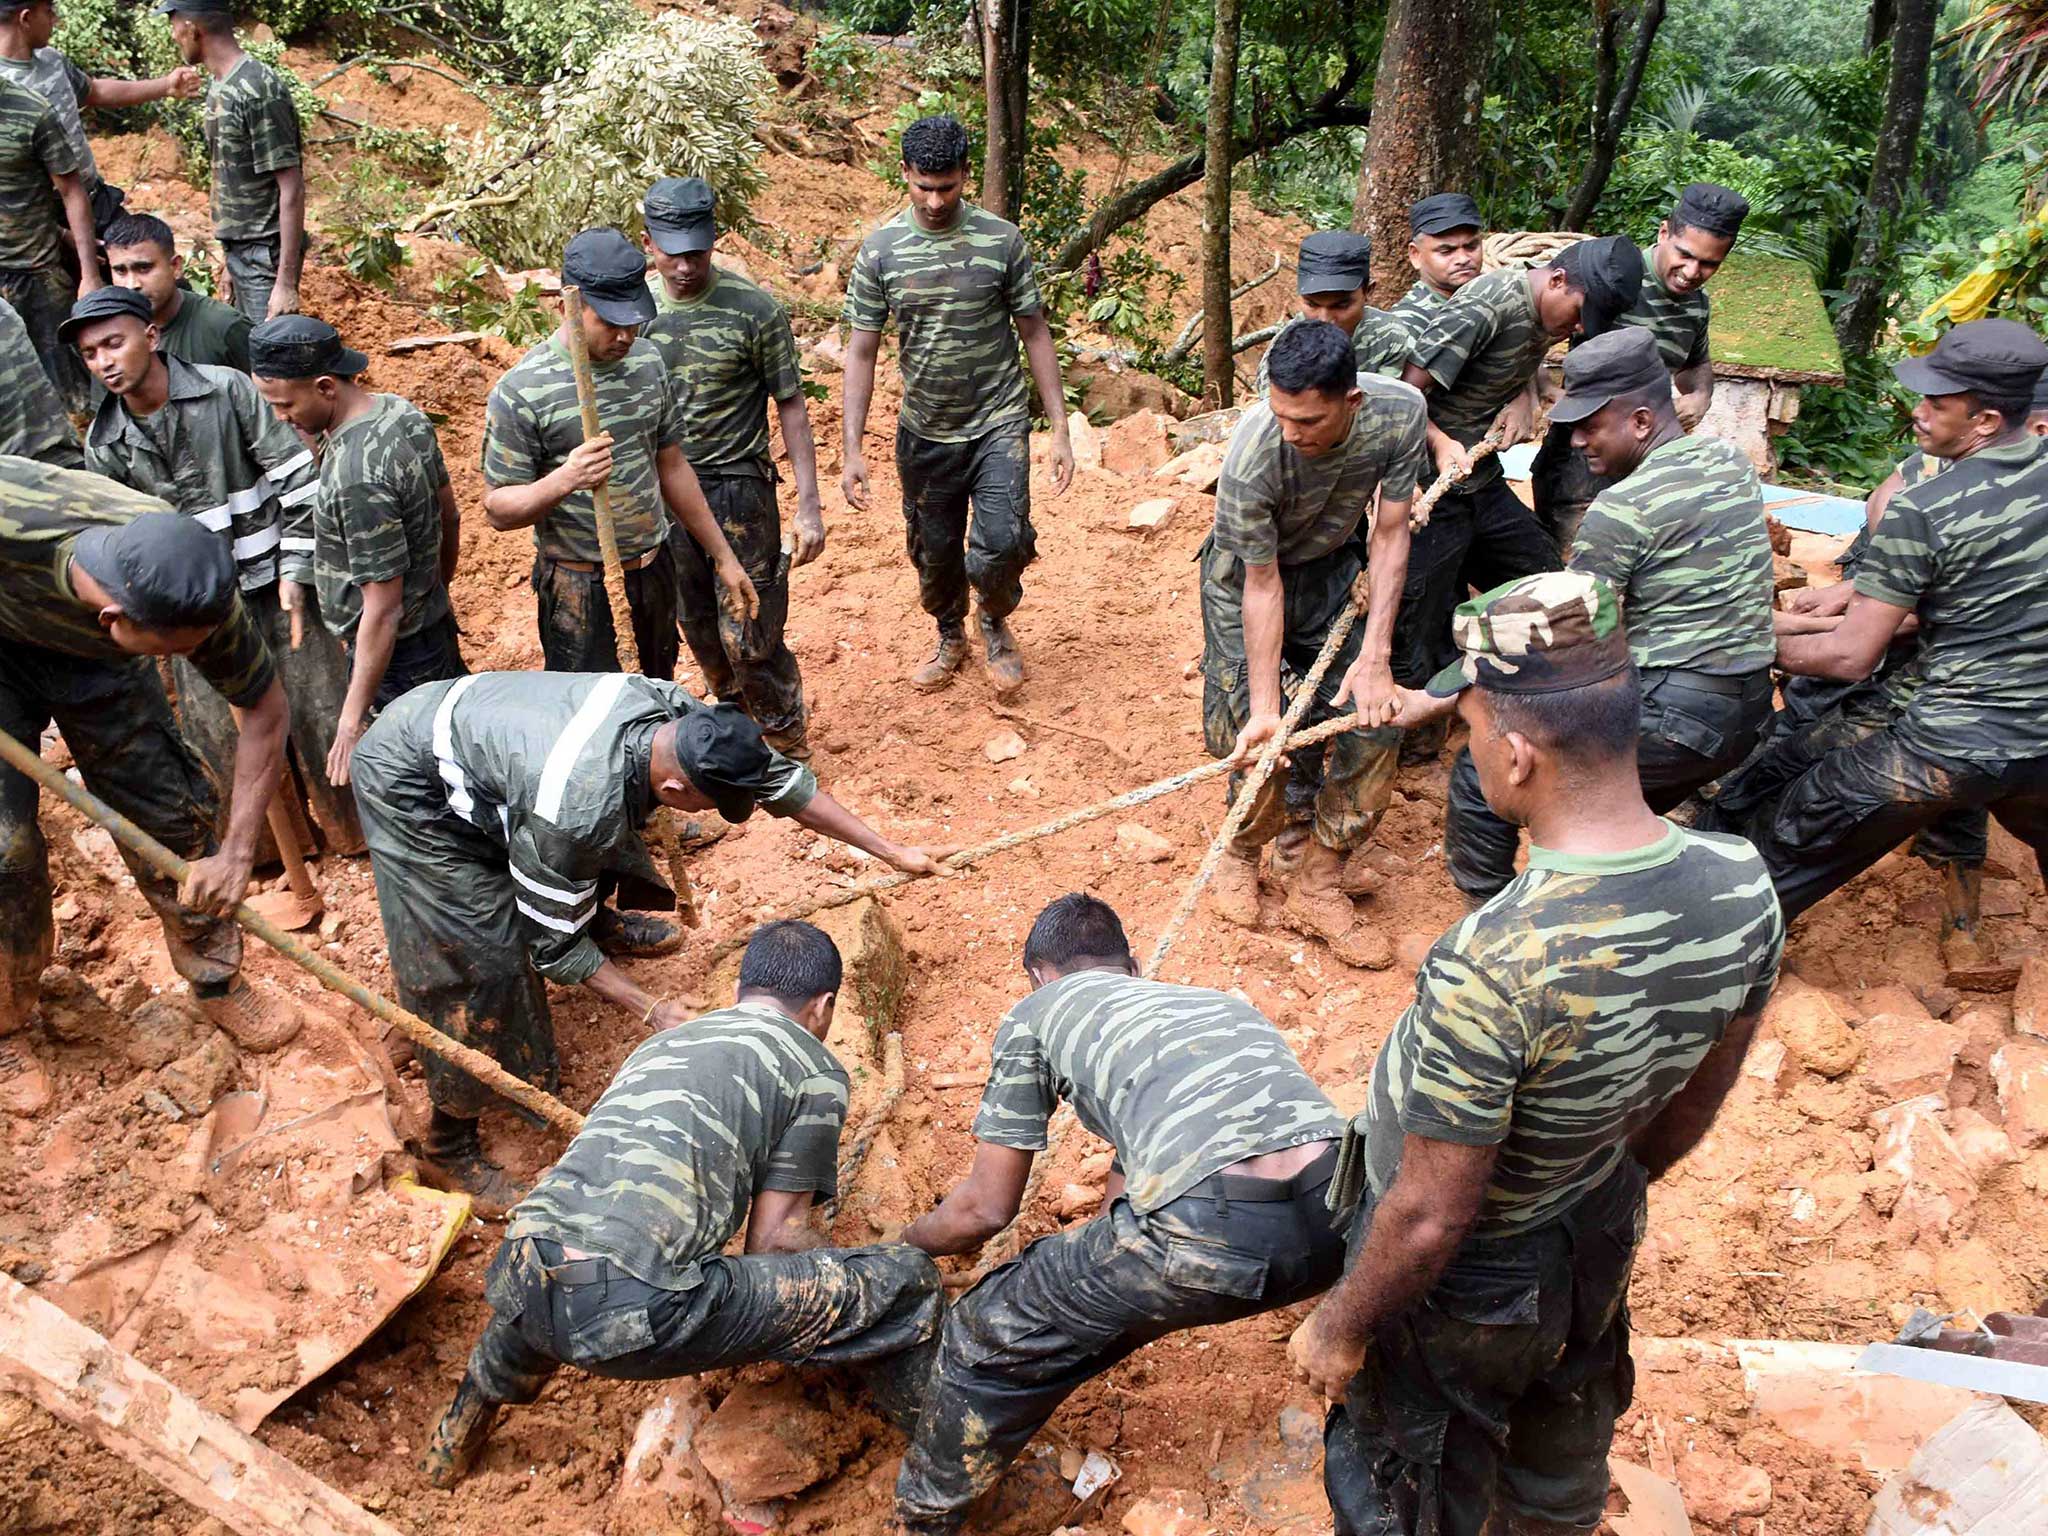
(1984, 1473)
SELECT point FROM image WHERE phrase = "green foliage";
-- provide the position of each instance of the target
(965, 102)
(370, 252)
(1849, 435)
(2005, 45)
(677, 98)
(891, 18)
(2007, 272)
(465, 301)
(842, 61)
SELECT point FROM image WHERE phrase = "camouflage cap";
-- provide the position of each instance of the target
(1536, 634)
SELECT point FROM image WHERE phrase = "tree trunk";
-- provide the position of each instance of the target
(1613, 104)
(1865, 302)
(1877, 27)
(1218, 374)
(1006, 85)
(1427, 99)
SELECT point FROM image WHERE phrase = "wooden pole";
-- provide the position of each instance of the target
(81, 1378)
(325, 971)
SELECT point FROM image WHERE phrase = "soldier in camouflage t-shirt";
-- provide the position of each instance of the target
(613, 1263)
(1679, 535)
(1568, 1043)
(959, 283)
(1962, 725)
(33, 424)
(383, 531)
(730, 353)
(1673, 307)
(1213, 1211)
(1447, 249)
(1331, 274)
(43, 208)
(1300, 480)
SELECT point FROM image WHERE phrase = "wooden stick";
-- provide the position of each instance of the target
(325, 971)
(81, 1378)
(601, 496)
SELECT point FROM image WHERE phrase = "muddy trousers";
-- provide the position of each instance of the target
(315, 678)
(430, 654)
(1343, 785)
(1695, 728)
(1497, 1393)
(118, 727)
(1853, 791)
(42, 296)
(967, 520)
(1076, 1303)
(750, 664)
(875, 1310)
(1473, 541)
(252, 274)
(576, 633)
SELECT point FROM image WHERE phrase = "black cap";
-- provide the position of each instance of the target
(678, 214)
(723, 753)
(1442, 211)
(2041, 392)
(1619, 362)
(611, 271)
(1333, 261)
(195, 7)
(163, 568)
(1610, 271)
(1710, 206)
(300, 347)
(104, 304)
(1999, 357)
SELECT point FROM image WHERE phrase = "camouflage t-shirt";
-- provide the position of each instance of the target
(252, 133)
(32, 150)
(730, 351)
(1276, 503)
(955, 293)
(1380, 344)
(32, 420)
(1182, 1081)
(698, 1120)
(43, 510)
(1418, 306)
(1558, 1019)
(534, 423)
(1682, 541)
(204, 330)
(1965, 549)
(52, 76)
(378, 515)
(1678, 323)
(1482, 346)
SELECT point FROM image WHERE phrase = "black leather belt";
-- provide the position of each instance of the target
(1708, 682)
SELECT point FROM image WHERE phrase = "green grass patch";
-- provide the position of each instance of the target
(1768, 314)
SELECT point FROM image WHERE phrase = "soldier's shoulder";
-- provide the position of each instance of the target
(1397, 401)
(540, 360)
(1727, 862)
(977, 220)
(21, 102)
(55, 489)
(741, 292)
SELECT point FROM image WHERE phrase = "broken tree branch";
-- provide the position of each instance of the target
(1184, 343)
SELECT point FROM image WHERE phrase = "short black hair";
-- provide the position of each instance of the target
(140, 229)
(1594, 724)
(933, 146)
(1076, 928)
(792, 962)
(2014, 408)
(1654, 398)
(1312, 354)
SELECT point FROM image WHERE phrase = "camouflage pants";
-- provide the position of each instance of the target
(42, 296)
(1695, 728)
(1473, 542)
(1497, 1393)
(118, 727)
(1076, 1303)
(875, 1310)
(1851, 791)
(252, 274)
(576, 633)
(315, 678)
(748, 663)
(1565, 485)
(446, 896)
(1343, 784)
(967, 520)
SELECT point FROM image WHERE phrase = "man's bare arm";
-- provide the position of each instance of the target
(1850, 650)
(861, 351)
(780, 1222)
(976, 1208)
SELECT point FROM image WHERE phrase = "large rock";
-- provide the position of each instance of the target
(2029, 998)
(1719, 1491)
(1936, 1187)
(1111, 392)
(1136, 445)
(770, 1441)
(1087, 441)
(1814, 1029)
(1199, 469)
(1906, 1057)
(1168, 1512)
(2020, 1069)
(1985, 1147)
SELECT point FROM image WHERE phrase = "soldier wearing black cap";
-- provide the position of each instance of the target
(730, 351)
(494, 805)
(95, 580)
(1331, 274)
(1679, 535)
(201, 437)
(1691, 245)
(1447, 248)
(1477, 359)
(383, 532)
(1966, 725)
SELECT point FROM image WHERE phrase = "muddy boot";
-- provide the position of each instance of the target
(794, 745)
(1288, 848)
(1004, 665)
(633, 935)
(459, 1436)
(938, 672)
(1235, 887)
(254, 1014)
(25, 1086)
(1965, 952)
(1361, 876)
(1317, 905)
(1424, 743)
(451, 1157)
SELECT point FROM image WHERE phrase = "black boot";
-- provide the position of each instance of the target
(459, 1436)
(634, 934)
(452, 1158)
